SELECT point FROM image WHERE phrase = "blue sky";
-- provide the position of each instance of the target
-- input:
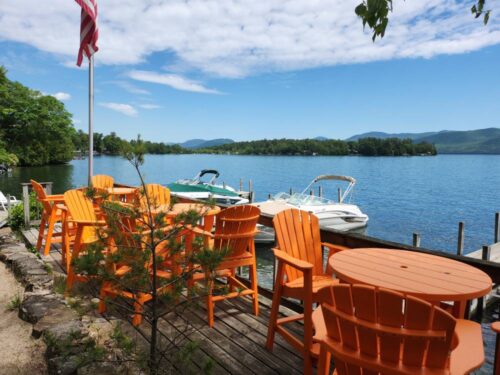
(186, 74)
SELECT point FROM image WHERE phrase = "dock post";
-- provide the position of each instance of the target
(48, 188)
(339, 191)
(320, 191)
(26, 205)
(291, 191)
(480, 301)
(497, 227)
(241, 184)
(416, 239)
(269, 196)
(460, 243)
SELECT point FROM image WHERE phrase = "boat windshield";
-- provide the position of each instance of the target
(298, 199)
(281, 196)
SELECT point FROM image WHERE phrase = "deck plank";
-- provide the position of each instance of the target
(251, 340)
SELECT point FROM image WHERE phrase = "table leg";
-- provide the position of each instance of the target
(459, 308)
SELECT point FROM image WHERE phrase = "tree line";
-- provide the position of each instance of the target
(364, 146)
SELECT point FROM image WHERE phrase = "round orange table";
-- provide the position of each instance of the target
(430, 277)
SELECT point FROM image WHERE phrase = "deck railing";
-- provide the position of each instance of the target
(26, 186)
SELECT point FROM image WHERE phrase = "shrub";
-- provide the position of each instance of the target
(16, 214)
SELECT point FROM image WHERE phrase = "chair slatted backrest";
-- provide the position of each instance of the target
(377, 330)
(80, 207)
(102, 181)
(235, 228)
(42, 196)
(298, 235)
(158, 195)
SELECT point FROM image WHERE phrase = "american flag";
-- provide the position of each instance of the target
(89, 33)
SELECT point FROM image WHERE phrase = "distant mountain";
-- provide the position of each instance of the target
(202, 143)
(383, 135)
(321, 138)
(481, 141)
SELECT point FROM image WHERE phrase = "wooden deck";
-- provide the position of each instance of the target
(236, 344)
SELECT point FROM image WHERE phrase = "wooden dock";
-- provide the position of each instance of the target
(236, 344)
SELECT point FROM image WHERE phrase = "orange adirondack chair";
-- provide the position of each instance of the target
(380, 331)
(235, 229)
(300, 259)
(83, 216)
(158, 195)
(102, 181)
(112, 289)
(51, 215)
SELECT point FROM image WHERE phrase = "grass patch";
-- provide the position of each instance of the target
(14, 303)
(60, 284)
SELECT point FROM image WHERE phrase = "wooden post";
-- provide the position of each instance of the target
(497, 227)
(26, 205)
(48, 188)
(480, 301)
(340, 195)
(291, 191)
(460, 243)
(320, 191)
(416, 239)
(269, 196)
(241, 184)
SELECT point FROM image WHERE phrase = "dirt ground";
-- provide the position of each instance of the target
(19, 353)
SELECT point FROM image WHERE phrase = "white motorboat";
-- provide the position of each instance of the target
(195, 188)
(339, 215)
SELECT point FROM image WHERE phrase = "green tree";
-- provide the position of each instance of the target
(375, 14)
(35, 127)
(145, 245)
(113, 145)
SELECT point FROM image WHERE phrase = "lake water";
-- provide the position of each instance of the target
(401, 195)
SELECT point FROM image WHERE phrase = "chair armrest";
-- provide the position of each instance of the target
(468, 355)
(55, 198)
(89, 222)
(334, 248)
(291, 261)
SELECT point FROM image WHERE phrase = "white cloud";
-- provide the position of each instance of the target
(235, 38)
(77, 121)
(173, 80)
(149, 106)
(125, 109)
(127, 86)
(63, 96)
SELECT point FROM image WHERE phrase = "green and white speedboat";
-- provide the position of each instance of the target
(195, 188)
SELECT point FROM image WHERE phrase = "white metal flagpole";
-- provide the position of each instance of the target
(91, 119)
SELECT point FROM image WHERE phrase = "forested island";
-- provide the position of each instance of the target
(36, 129)
(364, 147)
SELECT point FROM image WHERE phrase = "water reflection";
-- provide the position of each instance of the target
(60, 175)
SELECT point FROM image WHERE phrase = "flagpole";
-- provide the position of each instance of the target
(91, 119)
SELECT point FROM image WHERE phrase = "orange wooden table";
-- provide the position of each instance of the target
(206, 212)
(430, 277)
(127, 193)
